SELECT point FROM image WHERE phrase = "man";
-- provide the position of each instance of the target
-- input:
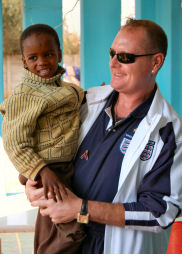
(128, 166)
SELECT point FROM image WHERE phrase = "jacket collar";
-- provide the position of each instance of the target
(98, 94)
(101, 93)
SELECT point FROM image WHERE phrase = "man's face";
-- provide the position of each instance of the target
(41, 54)
(133, 77)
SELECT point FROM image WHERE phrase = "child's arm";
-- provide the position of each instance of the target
(51, 183)
(21, 112)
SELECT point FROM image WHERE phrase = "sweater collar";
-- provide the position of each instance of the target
(28, 74)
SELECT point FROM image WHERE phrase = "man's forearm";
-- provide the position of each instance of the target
(106, 213)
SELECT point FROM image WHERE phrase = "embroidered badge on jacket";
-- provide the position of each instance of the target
(125, 143)
(147, 152)
(84, 155)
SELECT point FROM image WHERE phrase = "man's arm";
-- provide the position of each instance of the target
(67, 210)
(159, 195)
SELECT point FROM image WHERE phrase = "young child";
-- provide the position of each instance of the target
(40, 131)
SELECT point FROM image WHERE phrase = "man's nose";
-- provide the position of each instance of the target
(114, 61)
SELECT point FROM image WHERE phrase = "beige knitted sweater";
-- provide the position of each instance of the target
(41, 122)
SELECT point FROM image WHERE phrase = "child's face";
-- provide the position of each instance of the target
(41, 55)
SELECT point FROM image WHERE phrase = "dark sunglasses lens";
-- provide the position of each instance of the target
(112, 53)
(126, 58)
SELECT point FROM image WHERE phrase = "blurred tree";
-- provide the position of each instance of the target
(12, 26)
(71, 41)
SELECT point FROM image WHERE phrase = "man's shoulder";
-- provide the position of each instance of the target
(161, 106)
(98, 93)
(169, 115)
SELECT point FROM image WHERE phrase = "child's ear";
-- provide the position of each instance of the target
(59, 56)
(24, 62)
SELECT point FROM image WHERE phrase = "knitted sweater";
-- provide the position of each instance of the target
(41, 122)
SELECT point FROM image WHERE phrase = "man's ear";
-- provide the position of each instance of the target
(158, 60)
(24, 62)
(59, 56)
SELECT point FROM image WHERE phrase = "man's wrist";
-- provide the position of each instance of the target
(83, 215)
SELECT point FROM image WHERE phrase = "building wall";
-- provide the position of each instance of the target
(168, 14)
(100, 21)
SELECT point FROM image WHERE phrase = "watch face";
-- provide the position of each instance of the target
(83, 218)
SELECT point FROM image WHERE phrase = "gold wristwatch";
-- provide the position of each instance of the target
(83, 216)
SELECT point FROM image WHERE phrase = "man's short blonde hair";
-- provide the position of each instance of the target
(156, 36)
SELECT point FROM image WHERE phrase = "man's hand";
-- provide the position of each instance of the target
(51, 184)
(62, 211)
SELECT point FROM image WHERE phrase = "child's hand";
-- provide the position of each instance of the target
(52, 184)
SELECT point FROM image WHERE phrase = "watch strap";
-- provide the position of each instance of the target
(84, 207)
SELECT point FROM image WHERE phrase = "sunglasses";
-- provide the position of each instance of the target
(126, 58)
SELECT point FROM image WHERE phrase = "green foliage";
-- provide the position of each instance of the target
(12, 26)
(71, 41)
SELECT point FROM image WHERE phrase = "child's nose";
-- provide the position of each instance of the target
(42, 60)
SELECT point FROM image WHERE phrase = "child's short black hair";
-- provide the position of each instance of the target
(37, 29)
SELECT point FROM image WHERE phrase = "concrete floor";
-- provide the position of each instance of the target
(17, 220)
(17, 243)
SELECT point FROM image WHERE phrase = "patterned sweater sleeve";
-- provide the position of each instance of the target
(20, 112)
